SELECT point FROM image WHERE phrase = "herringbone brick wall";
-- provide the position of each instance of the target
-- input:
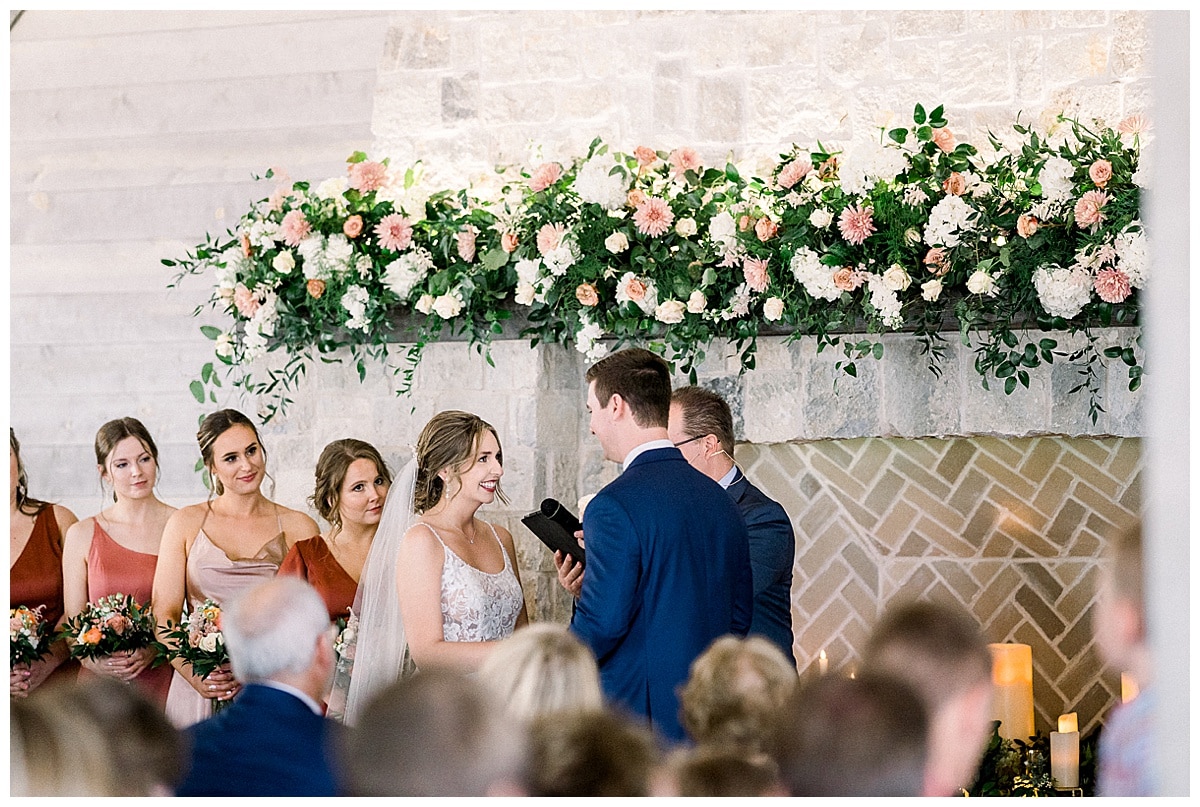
(1013, 529)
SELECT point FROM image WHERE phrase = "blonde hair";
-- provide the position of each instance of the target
(448, 441)
(543, 668)
(735, 690)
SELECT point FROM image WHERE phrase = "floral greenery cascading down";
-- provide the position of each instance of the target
(904, 232)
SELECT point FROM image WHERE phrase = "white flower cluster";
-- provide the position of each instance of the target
(355, 303)
(263, 233)
(1133, 253)
(260, 327)
(885, 301)
(1048, 210)
(326, 255)
(722, 231)
(864, 164)
(228, 268)
(739, 304)
(670, 312)
(532, 283)
(587, 340)
(915, 196)
(596, 185)
(1063, 292)
(448, 305)
(816, 278)
(1055, 179)
(558, 261)
(649, 301)
(403, 274)
(948, 218)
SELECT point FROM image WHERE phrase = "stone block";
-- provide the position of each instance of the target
(780, 38)
(836, 404)
(773, 409)
(917, 401)
(408, 101)
(416, 43)
(976, 72)
(854, 53)
(919, 24)
(460, 97)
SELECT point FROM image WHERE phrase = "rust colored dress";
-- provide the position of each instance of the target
(37, 579)
(114, 569)
(312, 560)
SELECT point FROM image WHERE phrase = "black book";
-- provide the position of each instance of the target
(555, 526)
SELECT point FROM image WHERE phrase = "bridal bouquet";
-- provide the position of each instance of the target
(111, 624)
(28, 635)
(198, 639)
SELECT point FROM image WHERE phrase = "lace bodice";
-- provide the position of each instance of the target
(478, 606)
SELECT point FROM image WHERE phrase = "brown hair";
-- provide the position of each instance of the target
(212, 427)
(330, 474)
(704, 413)
(113, 432)
(448, 440)
(589, 753)
(643, 381)
(706, 771)
(25, 503)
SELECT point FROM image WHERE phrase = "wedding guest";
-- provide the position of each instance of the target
(668, 566)
(454, 742)
(35, 572)
(864, 736)
(939, 650)
(701, 426)
(220, 547)
(351, 485)
(53, 753)
(1124, 761)
(590, 753)
(735, 692)
(440, 587)
(115, 551)
(712, 772)
(542, 669)
(273, 740)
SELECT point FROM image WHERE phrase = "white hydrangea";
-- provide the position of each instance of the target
(1055, 178)
(323, 256)
(816, 278)
(263, 233)
(1063, 291)
(949, 217)
(402, 275)
(525, 293)
(723, 231)
(528, 271)
(558, 261)
(1133, 254)
(865, 163)
(332, 188)
(885, 301)
(355, 303)
(595, 184)
(587, 340)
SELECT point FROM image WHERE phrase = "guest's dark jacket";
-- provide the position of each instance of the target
(266, 743)
(772, 553)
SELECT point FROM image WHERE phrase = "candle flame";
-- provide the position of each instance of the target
(822, 656)
(1068, 722)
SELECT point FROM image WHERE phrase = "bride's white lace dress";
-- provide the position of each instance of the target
(478, 606)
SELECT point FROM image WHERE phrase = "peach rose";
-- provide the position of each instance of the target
(315, 288)
(353, 226)
(508, 242)
(1027, 225)
(846, 279)
(93, 636)
(944, 139)
(635, 198)
(1100, 172)
(646, 156)
(828, 169)
(935, 259)
(746, 223)
(586, 294)
(765, 229)
(636, 289)
(956, 184)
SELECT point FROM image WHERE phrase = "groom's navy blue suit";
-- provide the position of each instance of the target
(668, 571)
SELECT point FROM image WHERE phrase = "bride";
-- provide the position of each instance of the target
(440, 586)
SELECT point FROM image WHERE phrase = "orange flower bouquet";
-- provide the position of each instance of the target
(28, 635)
(111, 624)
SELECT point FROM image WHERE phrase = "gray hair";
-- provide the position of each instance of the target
(273, 628)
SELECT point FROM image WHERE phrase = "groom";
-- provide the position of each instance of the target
(668, 565)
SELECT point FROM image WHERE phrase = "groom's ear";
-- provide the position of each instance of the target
(618, 405)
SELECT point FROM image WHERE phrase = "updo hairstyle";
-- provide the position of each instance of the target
(117, 430)
(330, 474)
(213, 427)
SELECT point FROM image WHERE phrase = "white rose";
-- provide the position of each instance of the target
(425, 304)
(982, 283)
(285, 262)
(525, 293)
(931, 290)
(669, 312)
(697, 302)
(225, 345)
(722, 230)
(208, 643)
(685, 228)
(448, 306)
(820, 218)
(528, 270)
(773, 309)
(616, 243)
(896, 279)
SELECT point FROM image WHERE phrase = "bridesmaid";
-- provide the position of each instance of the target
(220, 547)
(115, 551)
(35, 569)
(352, 482)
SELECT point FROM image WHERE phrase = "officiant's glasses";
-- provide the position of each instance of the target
(689, 440)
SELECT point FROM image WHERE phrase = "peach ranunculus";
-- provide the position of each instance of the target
(245, 301)
(316, 288)
(394, 232)
(636, 289)
(653, 217)
(683, 160)
(765, 229)
(586, 294)
(646, 157)
(367, 176)
(956, 184)
(549, 238)
(856, 223)
(755, 272)
(1027, 225)
(353, 226)
(544, 176)
(92, 636)
(1100, 172)
(247, 250)
(508, 242)
(847, 279)
(294, 228)
(793, 172)
(937, 261)
(466, 243)
(944, 139)
(1089, 210)
(635, 197)
(1112, 285)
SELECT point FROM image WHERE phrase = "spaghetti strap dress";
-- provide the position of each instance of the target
(211, 574)
(115, 569)
(478, 606)
(37, 579)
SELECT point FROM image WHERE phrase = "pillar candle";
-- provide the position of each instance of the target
(1064, 752)
(1012, 701)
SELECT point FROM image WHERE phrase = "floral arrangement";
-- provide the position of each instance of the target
(346, 641)
(198, 639)
(28, 635)
(905, 231)
(1022, 768)
(111, 624)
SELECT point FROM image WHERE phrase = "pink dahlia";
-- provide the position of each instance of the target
(549, 238)
(294, 228)
(755, 272)
(245, 301)
(544, 176)
(856, 224)
(394, 232)
(1136, 124)
(683, 160)
(1089, 210)
(1112, 285)
(653, 217)
(793, 172)
(367, 176)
